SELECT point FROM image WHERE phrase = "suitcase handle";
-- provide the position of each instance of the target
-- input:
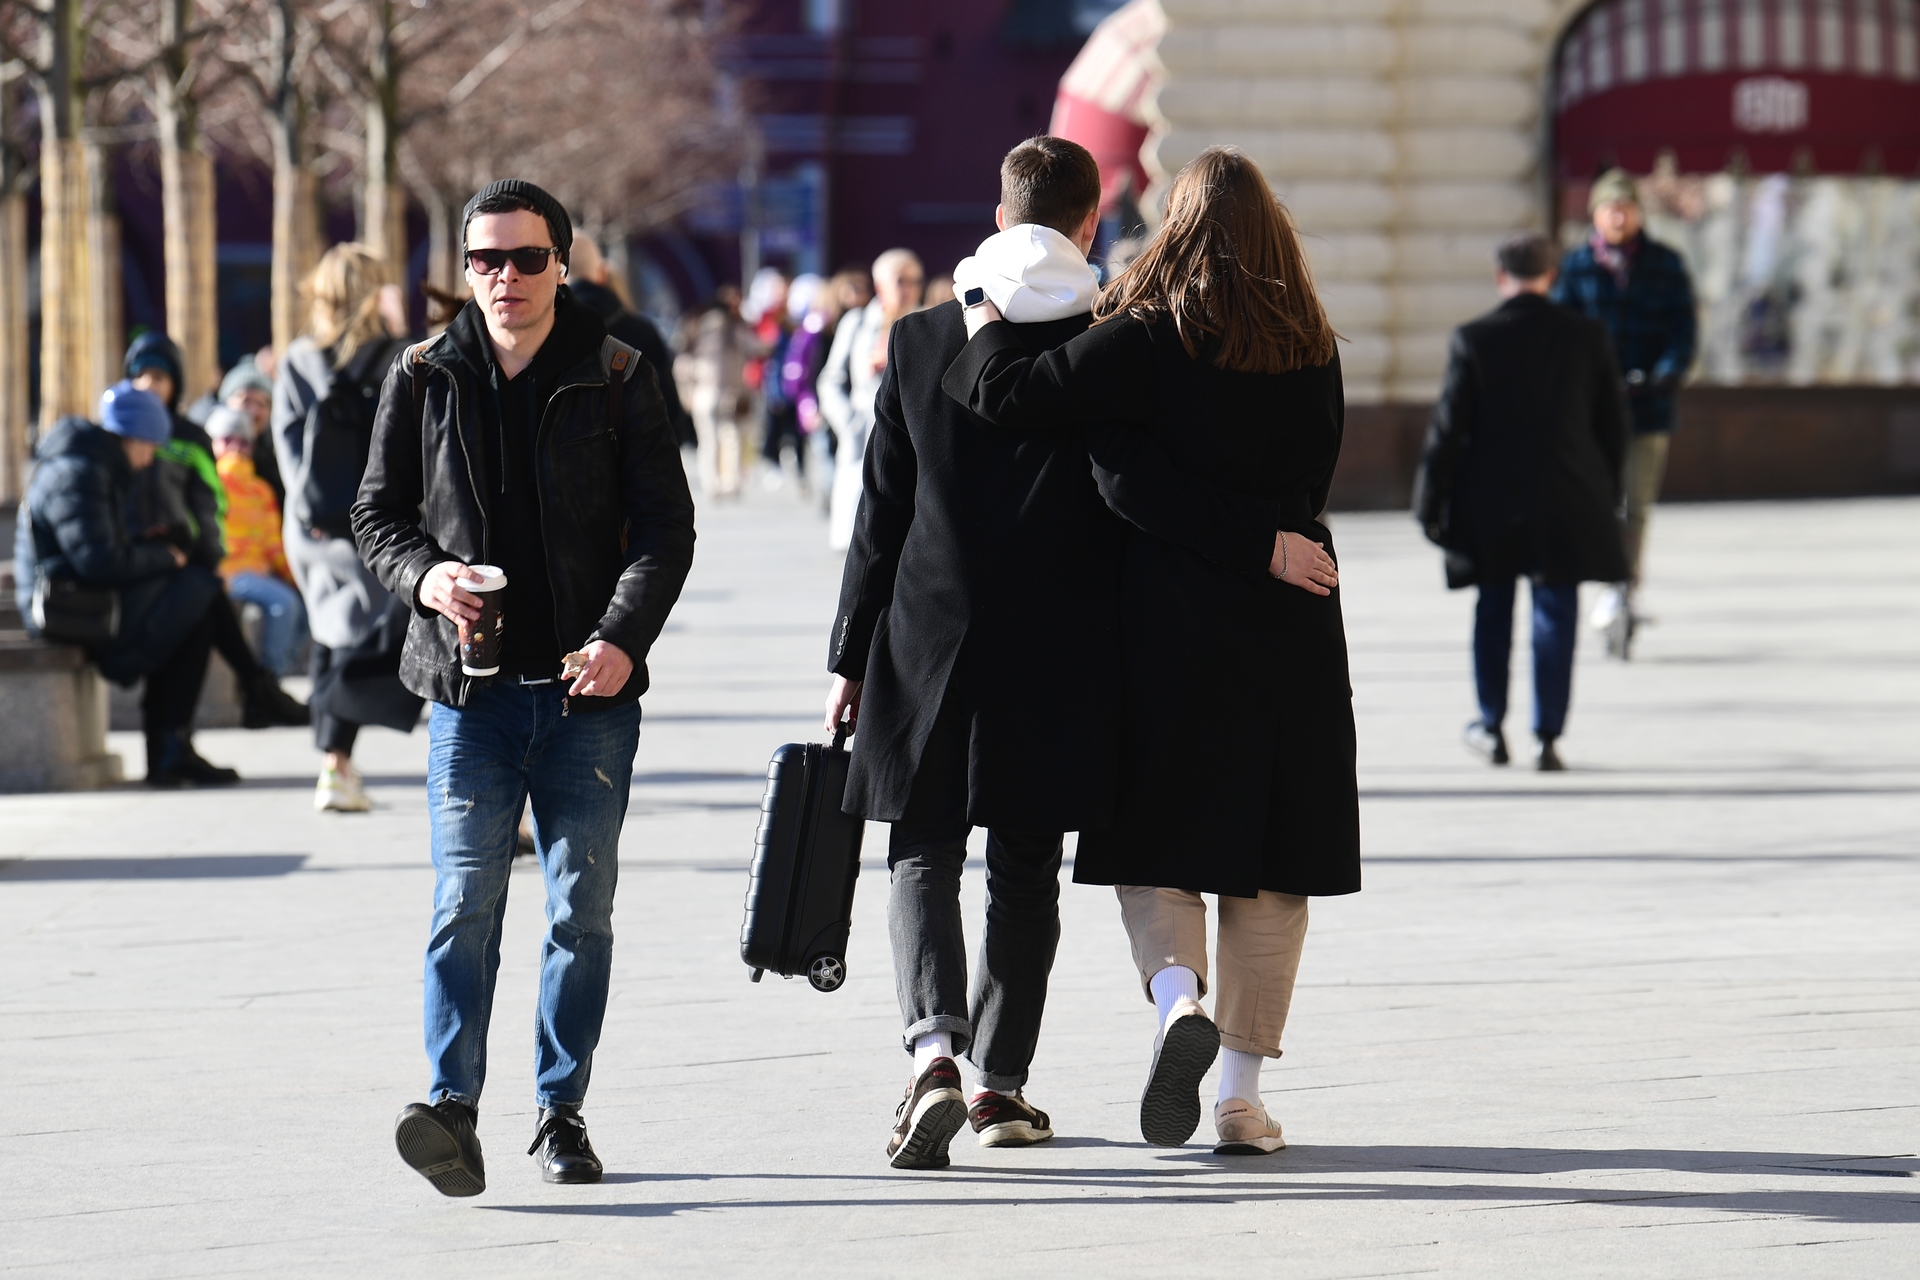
(841, 732)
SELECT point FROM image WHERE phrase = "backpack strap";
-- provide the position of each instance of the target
(416, 358)
(617, 357)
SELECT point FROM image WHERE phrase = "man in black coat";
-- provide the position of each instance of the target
(1521, 477)
(524, 439)
(977, 642)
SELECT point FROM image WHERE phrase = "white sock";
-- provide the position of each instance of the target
(1169, 985)
(1240, 1076)
(935, 1044)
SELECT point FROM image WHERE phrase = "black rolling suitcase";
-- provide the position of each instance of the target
(805, 857)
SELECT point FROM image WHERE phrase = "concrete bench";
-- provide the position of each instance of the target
(53, 705)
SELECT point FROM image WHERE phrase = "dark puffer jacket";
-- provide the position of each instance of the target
(180, 497)
(616, 515)
(71, 524)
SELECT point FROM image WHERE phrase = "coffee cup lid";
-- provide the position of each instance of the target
(483, 577)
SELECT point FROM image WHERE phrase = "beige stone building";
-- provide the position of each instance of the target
(1779, 146)
(1405, 135)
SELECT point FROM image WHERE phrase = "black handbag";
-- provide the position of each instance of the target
(69, 612)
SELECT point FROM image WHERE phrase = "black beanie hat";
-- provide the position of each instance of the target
(559, 225)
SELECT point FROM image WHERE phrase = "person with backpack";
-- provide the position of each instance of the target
(323, 404)
(528, 440)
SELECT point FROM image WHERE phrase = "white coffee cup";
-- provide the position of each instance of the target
(480, 639)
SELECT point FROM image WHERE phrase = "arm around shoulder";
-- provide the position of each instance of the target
(1104, 375)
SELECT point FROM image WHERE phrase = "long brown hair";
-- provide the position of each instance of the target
(1228, 270)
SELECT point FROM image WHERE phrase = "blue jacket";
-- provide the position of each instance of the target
(1651, 323)
(72, 524)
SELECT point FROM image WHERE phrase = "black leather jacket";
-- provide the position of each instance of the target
(615, 510)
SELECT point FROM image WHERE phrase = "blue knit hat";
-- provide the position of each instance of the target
(128, 411)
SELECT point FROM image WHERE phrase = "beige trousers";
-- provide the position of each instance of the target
(1259, 950)
(1646, 468)
(717, 428)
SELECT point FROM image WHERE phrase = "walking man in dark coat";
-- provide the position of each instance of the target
(1521, 477)
(977, 644)
(527, 440)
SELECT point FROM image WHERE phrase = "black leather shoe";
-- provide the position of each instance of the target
(1550, 761)
(565, 1155)
(172, 762)
(440, 1144)
(268, 704)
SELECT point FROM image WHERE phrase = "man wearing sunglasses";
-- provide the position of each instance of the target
(523, 437)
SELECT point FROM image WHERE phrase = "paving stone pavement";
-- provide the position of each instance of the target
(1654, 1016)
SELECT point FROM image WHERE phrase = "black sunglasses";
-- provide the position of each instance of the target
(528, 262)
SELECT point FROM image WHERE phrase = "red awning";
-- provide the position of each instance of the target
(1831, 86)
(1105, 101)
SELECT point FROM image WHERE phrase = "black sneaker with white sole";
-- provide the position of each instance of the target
(927, 1118)
(1008, 1120)
(440, 1144)
(1170, 1104)
(565, 1155)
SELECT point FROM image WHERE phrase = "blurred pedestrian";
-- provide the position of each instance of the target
(851, 376)
(249, 389)
(780, 329)
(849, 290)
(180, 493)
(590, 279)
(714, 349)
(172, 612)
(1237, 738)
(323, 408)
(255, 569)
(524, 436)
(1521, 478)
(1639, 289)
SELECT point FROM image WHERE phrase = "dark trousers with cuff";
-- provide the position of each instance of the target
(999, 1026)
(1556, 610)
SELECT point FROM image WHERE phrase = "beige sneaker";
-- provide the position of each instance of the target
(1245, 1129)
(339, 791)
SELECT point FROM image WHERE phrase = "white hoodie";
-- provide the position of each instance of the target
(1032, 273)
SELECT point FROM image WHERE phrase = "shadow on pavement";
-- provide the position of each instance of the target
(211, 866)
(1196, 1177)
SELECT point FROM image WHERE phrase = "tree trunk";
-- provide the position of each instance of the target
(296, 214)
(383, 201)
(296, 235)
(63, 281)
(64, 293)
(188, 216)
(13, 347)
(106, 329)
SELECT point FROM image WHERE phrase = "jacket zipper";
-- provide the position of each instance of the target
(540, 502)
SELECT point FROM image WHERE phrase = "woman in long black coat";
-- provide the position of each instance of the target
(1238, 740)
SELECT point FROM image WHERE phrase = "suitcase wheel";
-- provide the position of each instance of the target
(826, 973)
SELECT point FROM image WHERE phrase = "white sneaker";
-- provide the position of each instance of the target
(1246, 1129)
(339, 791)
(1609, 605)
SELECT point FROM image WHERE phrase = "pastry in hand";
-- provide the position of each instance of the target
(573, 666)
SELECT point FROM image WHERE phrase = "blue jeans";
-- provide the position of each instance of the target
(284, 617)
(1556, 612)
(513, 742)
